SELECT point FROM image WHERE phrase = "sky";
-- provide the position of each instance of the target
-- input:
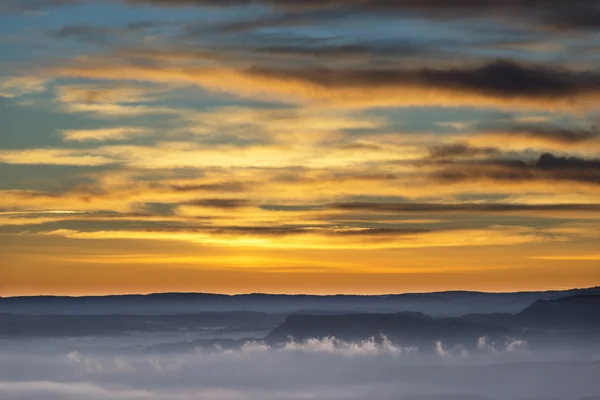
(286, 146)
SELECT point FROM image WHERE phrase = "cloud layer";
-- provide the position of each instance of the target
(326, 368)
(278, 138)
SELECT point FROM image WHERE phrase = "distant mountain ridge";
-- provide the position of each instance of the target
(564, 321)
(260, 294)
(410, 329)
(566, 313)
(450, 303)
(573, 321)
(24, 325)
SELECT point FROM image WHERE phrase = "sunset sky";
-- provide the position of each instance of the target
(298, 146)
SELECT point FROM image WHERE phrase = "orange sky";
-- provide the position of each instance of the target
(350, 152)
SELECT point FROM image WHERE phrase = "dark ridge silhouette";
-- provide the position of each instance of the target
(574, 311)
(562, 323)
(568, 313)
(437, 304)
(410, 329)
(545, 323)
(15, 325)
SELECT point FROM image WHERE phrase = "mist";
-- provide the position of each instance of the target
(328, 368)
(548, 350)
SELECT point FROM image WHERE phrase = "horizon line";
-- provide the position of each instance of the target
(300, 294)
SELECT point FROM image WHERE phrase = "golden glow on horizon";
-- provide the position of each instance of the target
(150, 159)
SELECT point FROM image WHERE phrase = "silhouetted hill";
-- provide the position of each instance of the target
(567, 313)
(495, 319)
(99, 325)
(581, 311)
(453, 303)
(406, 328)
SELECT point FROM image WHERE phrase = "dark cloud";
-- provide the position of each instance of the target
(361, 146)
(99, 34)
(557, 14)
(220, 203)
(544, 132)
(325, 231)
(184, 3)
(36, 194)
(549, 161)
(345, 50)
(291, 230)
(461, 207)
(11, 6)
(143, 25)
(211, 187)
(305, 16)
(460, 150)
(377, 232)
(88, 33)
(547, 167)
(500, 78)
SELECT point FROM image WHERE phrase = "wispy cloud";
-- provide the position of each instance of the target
(351, 131)
(321, 238)
(121, 133)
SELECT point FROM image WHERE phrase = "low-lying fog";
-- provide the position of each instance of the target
(110, 368)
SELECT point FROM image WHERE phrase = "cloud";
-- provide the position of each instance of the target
(545, 133)
(220, 203)
(211, 187)
(549, 161)
(404, 48)
(181, 3)
(66, 391)
(498, 83)
(290, 126)
(316, 146)
(503, 79)
(544, 136)
(328, 368)
(95, 34)
(52, 157)
(324, 238)
(572, 257)
(11, 6)
(457, 150)
(106, 93)
(332, 345)
(121, 133)
(171, 154)
(300, 194)
(555, 14)
(112, 100)
(116, 110)
(88, 33)
(547, 167)
(491, 208)
(17, 86)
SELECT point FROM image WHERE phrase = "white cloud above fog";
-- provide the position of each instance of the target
(314, 369)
